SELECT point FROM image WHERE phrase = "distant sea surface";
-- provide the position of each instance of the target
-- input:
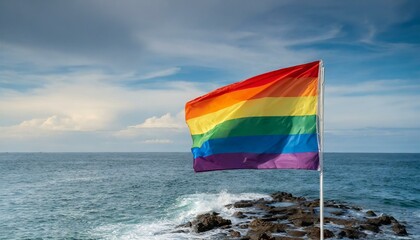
(145, 195)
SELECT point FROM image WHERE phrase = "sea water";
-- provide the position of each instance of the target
(145, 195)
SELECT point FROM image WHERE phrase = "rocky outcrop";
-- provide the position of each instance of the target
(289, 217)
(208, 221)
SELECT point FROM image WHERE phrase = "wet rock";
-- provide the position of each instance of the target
(295, 233)
(288, 238)
(282, 210)
(259, 225)
(244, 226)
(262, 200)
(209, 221)
(234, 233)
(370, 213)
(314, 233)
(369, 227)
(243, 204)
(351, 233)
(338, 213)
(263, 206)
(382, 220)
(312, 204)
(239, 215)
(399, 229)
(286, 197)
(260, 236)
(272, 218)
(303, 220)
(335, 204)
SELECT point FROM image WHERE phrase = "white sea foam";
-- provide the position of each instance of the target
(189, 206)
(184, 209)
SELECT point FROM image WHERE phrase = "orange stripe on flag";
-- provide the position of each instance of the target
(297, 87)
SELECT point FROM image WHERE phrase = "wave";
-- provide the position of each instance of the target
(184, 209)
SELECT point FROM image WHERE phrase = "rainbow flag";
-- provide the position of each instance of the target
(265, 122)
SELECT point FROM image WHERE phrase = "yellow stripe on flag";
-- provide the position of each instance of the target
(270, 106)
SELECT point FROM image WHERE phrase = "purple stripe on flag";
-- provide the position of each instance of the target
(306, 160)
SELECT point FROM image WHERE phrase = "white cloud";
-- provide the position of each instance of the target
(155, 126)
(49, 126)
(165, 121)
(89, 102)
(371, 105)
(371, 87)
(161, 73)
(56, 123)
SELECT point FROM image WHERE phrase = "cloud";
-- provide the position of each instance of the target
(165, 121)
(377, 105)
(373, 87)
(90, 102)
(57, 123)
(49, 126)
(161, 73)
(155, 126)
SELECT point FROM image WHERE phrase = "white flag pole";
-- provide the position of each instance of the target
(321, 150)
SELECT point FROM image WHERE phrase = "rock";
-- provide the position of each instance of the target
(338, 213)
(382, 220)
(286, 197)
(399, 229)
(263, 206)
(311, 204)
(295, 233)
(209, 221)
(351, 233)
(259, 225)
(288, 238)
(369, 227)
(234, 233)
(259, 236)
(303, 220)
(244, 226)
(239, 215)
(271, 218)
(281, 210)
(262, 200)
(314, 233)
(370, 213)
(243, 204)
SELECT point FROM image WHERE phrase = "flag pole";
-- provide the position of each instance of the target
(321, 151)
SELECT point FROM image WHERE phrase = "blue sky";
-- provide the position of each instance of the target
(115, 75)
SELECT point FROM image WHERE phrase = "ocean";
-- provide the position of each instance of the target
(145, 195)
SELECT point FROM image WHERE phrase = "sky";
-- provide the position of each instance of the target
(114, 76)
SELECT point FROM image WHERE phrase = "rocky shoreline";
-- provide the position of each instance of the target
(287, 217)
